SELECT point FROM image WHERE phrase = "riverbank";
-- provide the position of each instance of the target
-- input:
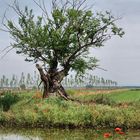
(114, 109)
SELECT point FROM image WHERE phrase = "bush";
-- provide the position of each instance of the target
(102, 99)
(89, 86)
(22, 86)
(135, 89)
(7, 100)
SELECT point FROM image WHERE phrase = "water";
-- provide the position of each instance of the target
(62, 134)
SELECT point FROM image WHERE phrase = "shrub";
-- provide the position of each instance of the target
(22, 86)
(102, 99)
(7, 100)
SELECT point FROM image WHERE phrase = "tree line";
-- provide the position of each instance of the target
(24, 81)
(88, 80)
(32, 81)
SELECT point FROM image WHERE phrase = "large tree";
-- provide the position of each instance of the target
(60, 40)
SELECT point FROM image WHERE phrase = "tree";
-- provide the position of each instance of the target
(22, 81)
(61, 40)
(28, 80)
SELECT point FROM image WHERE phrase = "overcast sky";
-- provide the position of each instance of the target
(120, 56)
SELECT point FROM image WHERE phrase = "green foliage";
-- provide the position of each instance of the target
(79, 65)
(65, 37)
(7, 100)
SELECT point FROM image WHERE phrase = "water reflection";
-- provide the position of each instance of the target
(59, 134)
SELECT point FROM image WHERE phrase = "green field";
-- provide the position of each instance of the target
(118, 96)
(126, 96)
(98, 109)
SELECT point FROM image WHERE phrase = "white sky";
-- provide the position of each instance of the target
(120, 56)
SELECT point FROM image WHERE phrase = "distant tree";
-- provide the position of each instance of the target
(61, 39)
(28, 80)
(115, 83)
(102, 81)
(22, 79)
(7, 82)
(14, 80)
(3, 81)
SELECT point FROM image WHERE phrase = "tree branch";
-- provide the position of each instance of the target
(43, 8)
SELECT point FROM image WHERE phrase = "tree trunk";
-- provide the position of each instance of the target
(52, 83)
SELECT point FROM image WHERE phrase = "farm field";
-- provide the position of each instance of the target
(118, 95)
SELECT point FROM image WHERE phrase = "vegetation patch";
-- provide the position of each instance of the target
(56, 112)
(7, 100)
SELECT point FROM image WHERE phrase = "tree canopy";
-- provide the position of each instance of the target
(63, 38)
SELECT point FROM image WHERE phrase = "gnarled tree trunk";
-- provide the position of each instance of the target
(52, 82)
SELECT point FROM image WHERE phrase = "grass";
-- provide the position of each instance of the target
(118, 96)
(126, 96)
(118, 108)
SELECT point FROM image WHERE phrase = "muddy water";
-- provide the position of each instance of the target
(64, 134)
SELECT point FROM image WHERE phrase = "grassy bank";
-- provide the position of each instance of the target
(114, 109)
